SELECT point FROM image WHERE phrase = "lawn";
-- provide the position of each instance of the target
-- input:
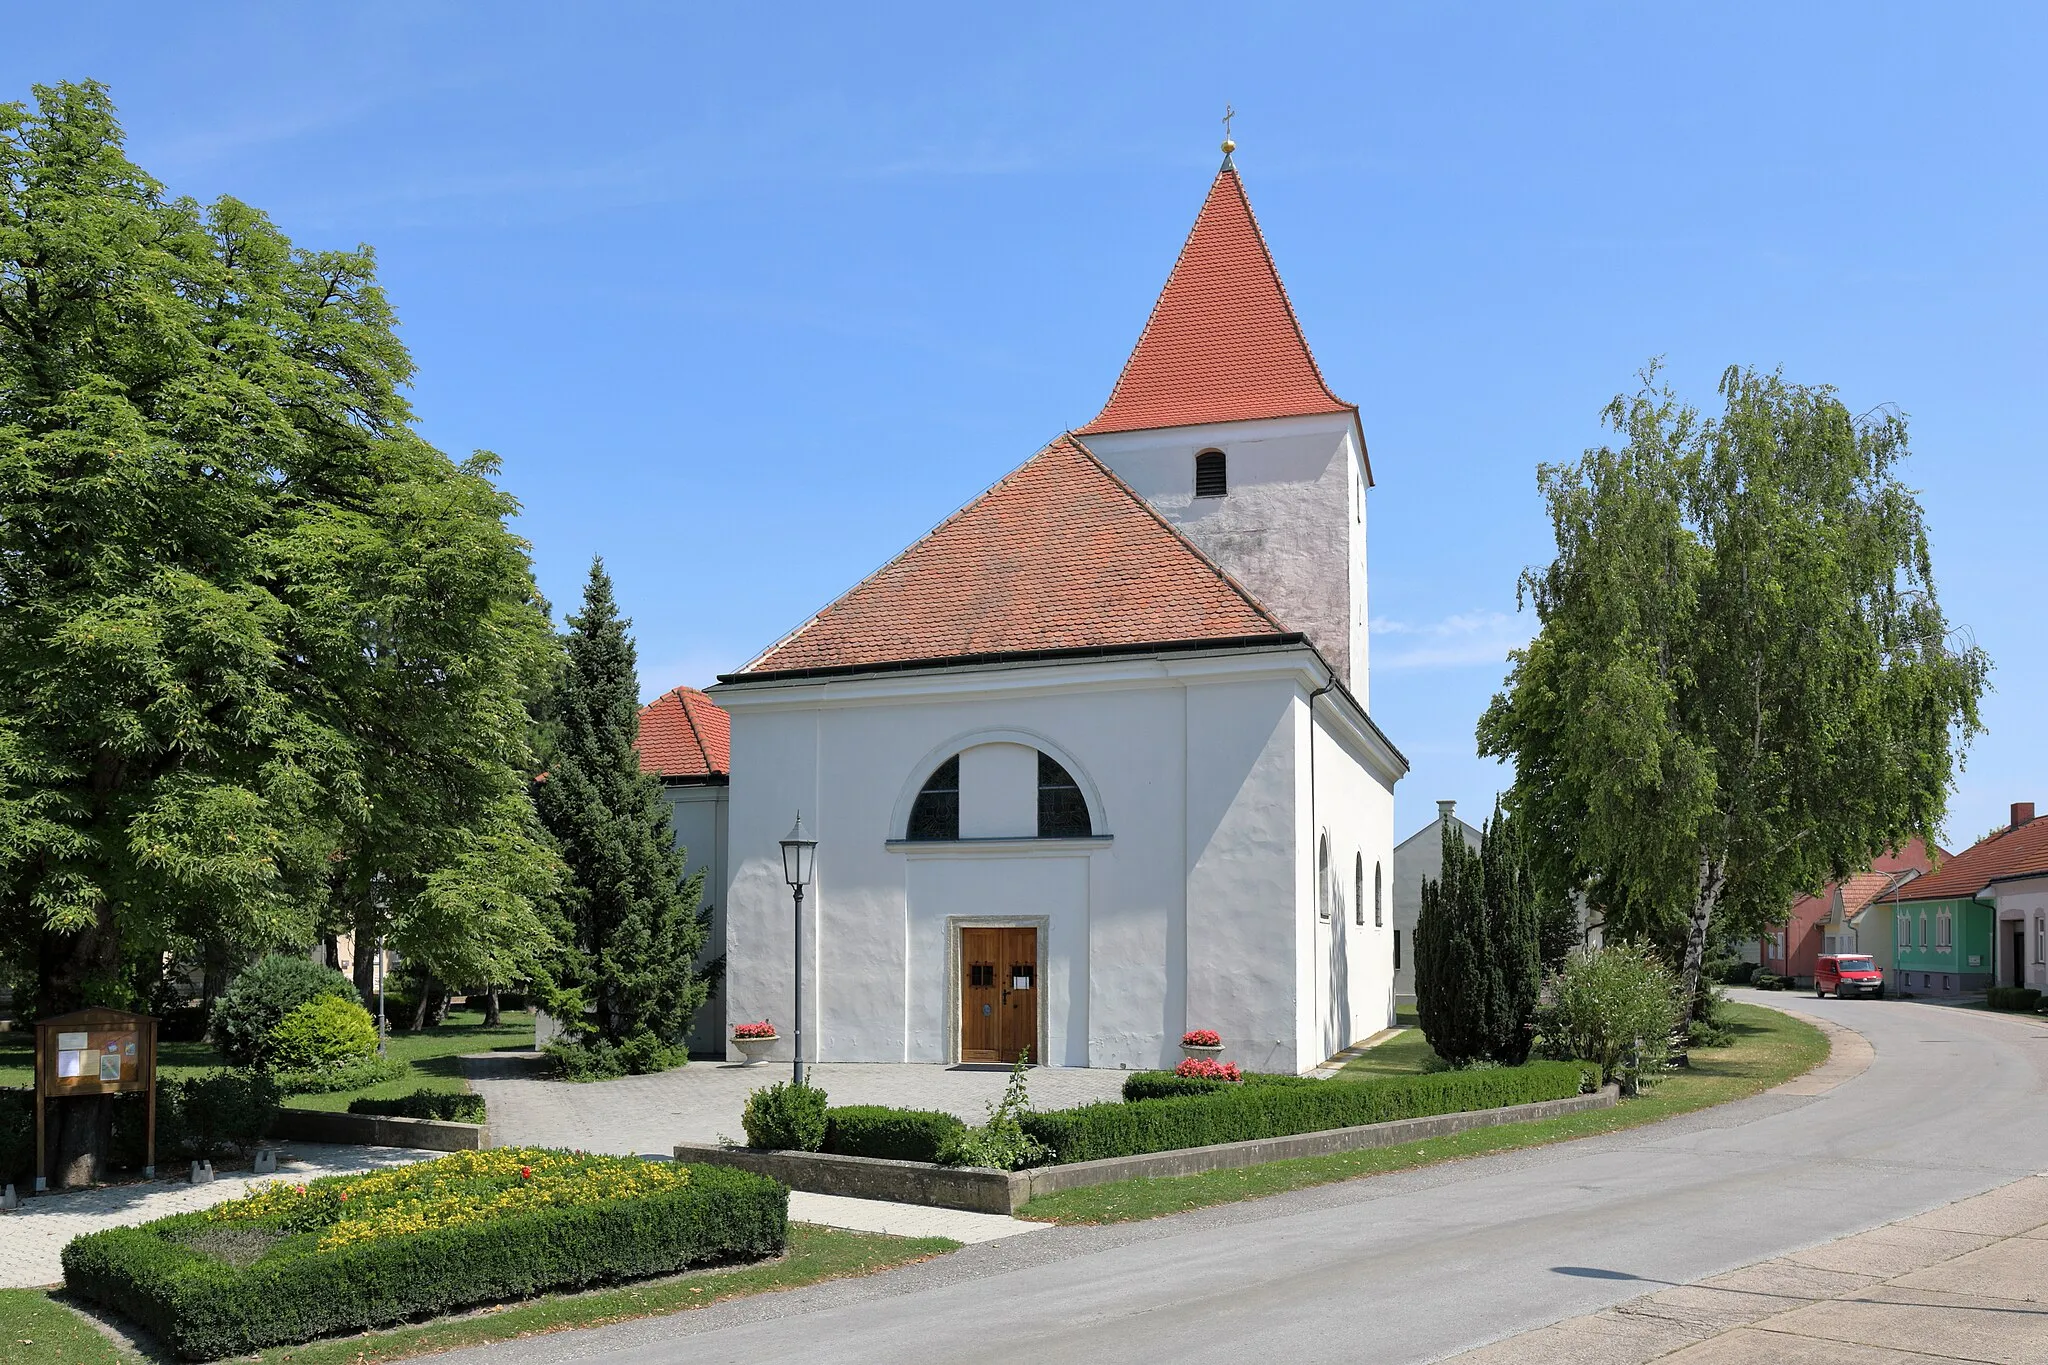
(1770, 1048)
(1407, 1053)
(815, 1255)
(432, 1053)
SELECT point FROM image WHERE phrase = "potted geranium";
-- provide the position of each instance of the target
(1201, 1042)
(753, 1040)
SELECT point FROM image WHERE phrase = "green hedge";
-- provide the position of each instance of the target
(892, 1134)
(1164, 1085)
(202, 1308)
(426, 1104)
(1259, 1111)
(2024, 998)
(330, 1080)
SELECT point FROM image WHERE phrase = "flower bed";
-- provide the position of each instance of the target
(1208, 1069)
(1237, 1113)
(345, 1253)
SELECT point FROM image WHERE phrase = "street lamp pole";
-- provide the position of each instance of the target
(799, 853)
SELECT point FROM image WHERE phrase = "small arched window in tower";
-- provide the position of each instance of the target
(1379, 900)
(936, 812)
(1323, 887)
(1212, 477)
(1358, 887)
(1062, 810)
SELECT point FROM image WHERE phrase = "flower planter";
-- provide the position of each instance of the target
(755, 1050)
(1212, 1051)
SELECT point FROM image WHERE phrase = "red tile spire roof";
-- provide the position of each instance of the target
(2021, 852)
(1222, 344)
(685, 734)
(1060, 554)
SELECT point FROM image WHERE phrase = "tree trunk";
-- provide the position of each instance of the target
(332, 943)
(491, 1007)
(80, 1133)
(364, 966)
(1713, 880)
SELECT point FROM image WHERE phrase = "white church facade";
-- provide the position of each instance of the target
(1090, 764)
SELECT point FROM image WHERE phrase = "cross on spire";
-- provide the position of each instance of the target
(1228, 145)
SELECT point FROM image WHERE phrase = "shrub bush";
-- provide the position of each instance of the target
(1241, 1112)
(594, 1059)
(787, 1116)
(1616, 1007)
(209, 1116)
(1000, 1143)
(892, 1134)
(361, 1075)
(245, 1019)
(322, 1034)
(17, 1135)
(1161, 1085)
(416, 1241)
(426, 1104)
(2024, 998)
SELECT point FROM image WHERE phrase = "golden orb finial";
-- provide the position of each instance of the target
(1229, 146)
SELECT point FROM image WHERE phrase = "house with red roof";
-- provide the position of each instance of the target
(1837, 919)
(1981, 918)
(1090, 764)
(686, 741)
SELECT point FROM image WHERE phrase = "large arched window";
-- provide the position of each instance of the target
(1379, 897)
(936, 812)
(1062, 809)
(1212, 475)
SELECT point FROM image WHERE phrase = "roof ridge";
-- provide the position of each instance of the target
(1138, 500)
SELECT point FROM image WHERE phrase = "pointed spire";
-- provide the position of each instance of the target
(1222, 344)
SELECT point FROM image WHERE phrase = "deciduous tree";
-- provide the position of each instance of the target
(1743, 685)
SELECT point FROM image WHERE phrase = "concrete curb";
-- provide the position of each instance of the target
(379, 1130)
(986, 1191)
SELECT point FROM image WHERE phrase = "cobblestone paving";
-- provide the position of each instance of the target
(701, 1102)
(33, 1236)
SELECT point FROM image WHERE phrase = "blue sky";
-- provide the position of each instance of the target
(749, 298)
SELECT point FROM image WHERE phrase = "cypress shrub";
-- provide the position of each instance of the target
(1095, 1131)
(893, 1134)
(204, 1308)
(1479, 943)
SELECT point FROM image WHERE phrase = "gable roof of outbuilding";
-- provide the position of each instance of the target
(1059, 556)
(685, 736)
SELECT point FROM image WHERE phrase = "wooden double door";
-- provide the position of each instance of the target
(998, 994)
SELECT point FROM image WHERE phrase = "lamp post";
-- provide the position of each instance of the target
(799, 852)
(380, 994)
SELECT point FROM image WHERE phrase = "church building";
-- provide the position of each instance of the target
(1090, 764)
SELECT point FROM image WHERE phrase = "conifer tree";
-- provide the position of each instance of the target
(1478, 964)
(637, 923)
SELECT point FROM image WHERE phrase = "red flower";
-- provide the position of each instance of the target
(526, 1172)
(763, 1029)
(540, 777)
(1208, 1069)
(1201, 1037)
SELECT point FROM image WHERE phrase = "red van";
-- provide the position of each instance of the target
(1846, 974)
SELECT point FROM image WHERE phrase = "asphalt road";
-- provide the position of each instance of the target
(1417, 1266)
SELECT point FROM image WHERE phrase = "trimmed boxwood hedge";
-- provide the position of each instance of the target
(202, 1308)
(1242, 1112)
(893, 1134)
(426, 1104)
(2023, 998)
(1165, 1085)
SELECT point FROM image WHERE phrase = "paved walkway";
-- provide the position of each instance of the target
(1967, 1282)
(905, 1220)
(33, 1236)
(701, 1102)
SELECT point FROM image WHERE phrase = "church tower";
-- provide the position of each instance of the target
(1221, 420)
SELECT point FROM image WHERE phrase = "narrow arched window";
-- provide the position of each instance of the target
(1379, 899)
(1358, 887)
(1212, 476)
(1323, 876)
(1062, 810)
(936, 812)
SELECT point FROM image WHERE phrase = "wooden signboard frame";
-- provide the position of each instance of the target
(94, 1052)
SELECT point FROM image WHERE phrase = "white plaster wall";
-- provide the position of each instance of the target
(1418, 857)
(1292, 529)
(2026, 902)
(1192, 765)
(1346, 968)
(697, 814)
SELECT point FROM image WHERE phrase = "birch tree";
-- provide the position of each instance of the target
(1743, 685)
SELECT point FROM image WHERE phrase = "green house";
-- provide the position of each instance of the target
(1978, 920)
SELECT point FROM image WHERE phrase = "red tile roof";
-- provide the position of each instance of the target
(1861, 888)
(2009, 853)
(685, 734)
(1222, 344)
(1058, 555)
